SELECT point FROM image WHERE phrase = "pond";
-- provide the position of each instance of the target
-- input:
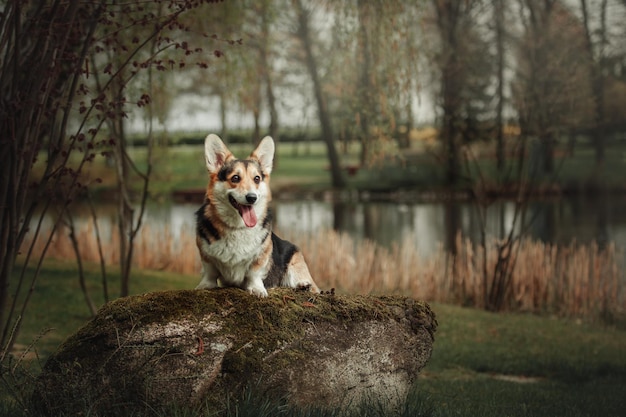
(430, 224)
(433, 223)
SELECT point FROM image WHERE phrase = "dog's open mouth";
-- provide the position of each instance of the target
(245, 211)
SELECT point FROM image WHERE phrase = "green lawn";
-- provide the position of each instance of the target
(183, 167)
(304, 165)
(523, 365)
(482, 364)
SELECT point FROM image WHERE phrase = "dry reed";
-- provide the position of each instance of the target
(574, 280)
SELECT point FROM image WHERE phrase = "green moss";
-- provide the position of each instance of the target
(282, 312)
(256, 327)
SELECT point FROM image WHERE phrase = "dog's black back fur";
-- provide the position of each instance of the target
(282, 252)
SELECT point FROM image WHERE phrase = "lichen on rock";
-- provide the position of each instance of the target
(199, 348)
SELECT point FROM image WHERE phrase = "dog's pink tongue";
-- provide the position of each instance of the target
(248, 215)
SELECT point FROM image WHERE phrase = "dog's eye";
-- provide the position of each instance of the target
(235, 179)
(257, 179)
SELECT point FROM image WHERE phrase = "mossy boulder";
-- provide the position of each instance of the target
(204, 348)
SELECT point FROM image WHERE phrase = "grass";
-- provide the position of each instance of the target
(482, 364)
(524, 365)
(183, 167)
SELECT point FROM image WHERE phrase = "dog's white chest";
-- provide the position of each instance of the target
(234, 253)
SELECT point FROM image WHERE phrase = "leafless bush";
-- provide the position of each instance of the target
(65, 68)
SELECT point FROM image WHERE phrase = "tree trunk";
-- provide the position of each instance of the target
(365, 87)
(547, 146)
(448, 14)
(79, 262)
(597, 80)
(256, 114)
(125, 210)
(304, 35)
(223, 113)
(271, 101)
(499, 20)
(267, 75)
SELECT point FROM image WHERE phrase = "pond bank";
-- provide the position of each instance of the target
(415, 195)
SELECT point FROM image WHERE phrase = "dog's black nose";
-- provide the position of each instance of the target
(251, 198)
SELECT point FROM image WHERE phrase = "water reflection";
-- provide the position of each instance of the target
(430, 224)
(426, 224)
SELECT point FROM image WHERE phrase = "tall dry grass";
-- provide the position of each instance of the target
(574, 280)
(154, 248)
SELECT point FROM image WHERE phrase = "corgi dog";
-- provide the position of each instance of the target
(234, 225)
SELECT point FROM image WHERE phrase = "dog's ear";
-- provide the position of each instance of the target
(264, 153)
(215, 153)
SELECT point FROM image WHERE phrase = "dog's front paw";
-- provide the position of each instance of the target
(307, 286)
(206, 285)
(258, 291)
